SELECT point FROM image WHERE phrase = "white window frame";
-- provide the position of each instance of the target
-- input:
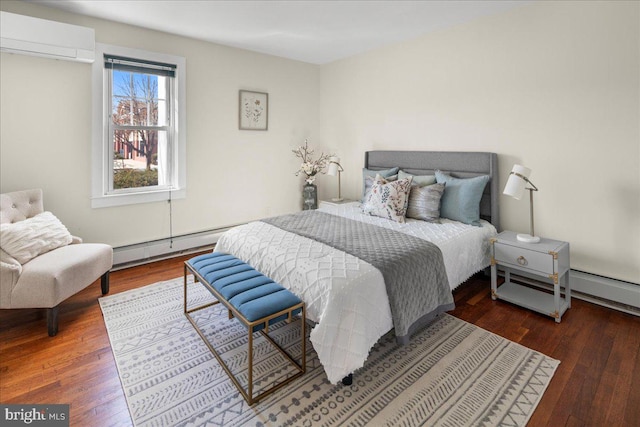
(102, 146)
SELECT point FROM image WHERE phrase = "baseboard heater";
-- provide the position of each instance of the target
(141, 253)
(605, 291)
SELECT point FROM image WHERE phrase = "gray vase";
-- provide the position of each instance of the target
(309, 197)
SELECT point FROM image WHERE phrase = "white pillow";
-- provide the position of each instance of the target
(25, 240)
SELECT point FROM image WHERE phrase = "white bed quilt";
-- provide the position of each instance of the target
(345, 296)
(465, 248)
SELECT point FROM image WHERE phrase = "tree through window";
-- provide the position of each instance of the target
(139, 135)
(140, 128)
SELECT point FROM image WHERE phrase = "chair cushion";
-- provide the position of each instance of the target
(53, 277)
(10, 271)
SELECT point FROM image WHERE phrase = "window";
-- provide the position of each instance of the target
(139, 143)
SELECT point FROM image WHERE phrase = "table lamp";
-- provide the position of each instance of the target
(518, 179)
(334, 169)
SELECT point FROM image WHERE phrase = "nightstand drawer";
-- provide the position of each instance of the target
(524, 258)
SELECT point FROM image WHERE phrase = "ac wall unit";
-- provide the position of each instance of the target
(33, 36)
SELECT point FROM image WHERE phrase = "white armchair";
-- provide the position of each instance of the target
(51, 277)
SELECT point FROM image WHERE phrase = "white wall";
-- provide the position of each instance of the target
(551, 85)
(233, 176)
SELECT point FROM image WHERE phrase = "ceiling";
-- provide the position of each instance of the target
(317, 32)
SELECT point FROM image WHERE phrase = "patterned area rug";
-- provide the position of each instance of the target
(451, 374)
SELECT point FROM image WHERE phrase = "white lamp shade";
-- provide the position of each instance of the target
(515, 184)
(333, 166)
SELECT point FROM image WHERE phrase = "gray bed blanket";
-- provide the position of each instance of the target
(413, 269)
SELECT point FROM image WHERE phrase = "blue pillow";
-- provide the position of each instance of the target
(385, 173)
(461, 198)
(419, 180)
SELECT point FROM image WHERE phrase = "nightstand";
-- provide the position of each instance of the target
(334, 203)
(547, 261)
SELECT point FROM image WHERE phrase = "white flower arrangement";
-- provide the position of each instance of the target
(310, 167)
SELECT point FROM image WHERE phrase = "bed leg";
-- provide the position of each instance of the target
(348, 380)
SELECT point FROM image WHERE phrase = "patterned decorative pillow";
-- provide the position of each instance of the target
(369, 174)
(424, 202)
(368, 183)
(25, 240)
(388, 199)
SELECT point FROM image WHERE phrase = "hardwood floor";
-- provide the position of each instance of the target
(596, 384)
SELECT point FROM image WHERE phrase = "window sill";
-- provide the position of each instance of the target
(137, 198)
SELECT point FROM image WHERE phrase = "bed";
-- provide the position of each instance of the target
(354, 296)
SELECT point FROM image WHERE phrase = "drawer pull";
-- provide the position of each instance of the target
(522, 260)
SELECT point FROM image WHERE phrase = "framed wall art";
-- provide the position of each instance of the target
(254, 110)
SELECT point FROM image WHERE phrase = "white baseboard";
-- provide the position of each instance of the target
(140, 253)
(605, 291)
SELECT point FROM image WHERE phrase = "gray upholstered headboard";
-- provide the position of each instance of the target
(458, 164)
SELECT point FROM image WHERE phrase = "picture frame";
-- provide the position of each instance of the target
(253, 110)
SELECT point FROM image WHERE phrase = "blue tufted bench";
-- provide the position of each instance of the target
(254, 299)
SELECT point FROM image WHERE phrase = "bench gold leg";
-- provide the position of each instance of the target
(248, 395)
(250, 373)
(186, 310)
